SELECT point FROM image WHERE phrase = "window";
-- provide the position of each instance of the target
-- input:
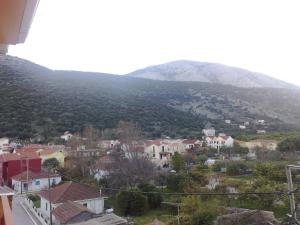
(37, 182)
(46, 206)
(85, 204)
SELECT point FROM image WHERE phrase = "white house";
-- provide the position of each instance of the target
(261, 122)
(4, 141)
(161, 151)
(102, 167)
(219, 142)
(191, 143)
(92, 199)
(209, 132)
(242, 127)
(66, 136)
(210, 162)
(108, 144)
(228, 121)
(4, 144)
(261, 131)
(32, 181)
(75, 213)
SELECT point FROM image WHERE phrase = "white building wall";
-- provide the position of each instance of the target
(229, 142)
(45, 210)
(95, 205)
(35, 185)
(209, 132)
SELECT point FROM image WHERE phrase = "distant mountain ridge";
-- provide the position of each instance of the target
(185, 70)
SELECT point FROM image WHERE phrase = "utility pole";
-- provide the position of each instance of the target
(27, 175)
(50, 205)
(291, 190)
(178, 213)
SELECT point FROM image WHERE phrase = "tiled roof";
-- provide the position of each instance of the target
(190, 141)
(153, 142)
(33, 175)
(107, 219)
(68, 210)
(70, 191)
(40, 149)
(18, 156)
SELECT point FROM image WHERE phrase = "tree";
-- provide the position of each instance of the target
(202, 159)
(91, 136)
(131, 203)
(154, 199)
(130, 167)
(270, 171)
(240, 150)
(176, 182)
(51, 164)
(236, 168)
(178, 162)
(195, 211)
(289, 145)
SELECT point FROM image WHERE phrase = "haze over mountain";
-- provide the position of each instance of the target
(36, 101)
(184, 70)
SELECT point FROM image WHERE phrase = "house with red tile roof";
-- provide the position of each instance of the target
(75, 213)
(75, 192)
(46, 152)
(29, 181)
(71, 212)
(12, 164)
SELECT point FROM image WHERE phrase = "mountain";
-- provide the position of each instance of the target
(36, 101)
(185, 70)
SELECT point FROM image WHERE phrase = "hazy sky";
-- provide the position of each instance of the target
(119, 36)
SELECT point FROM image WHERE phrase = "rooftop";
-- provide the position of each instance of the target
(70, 191)
(33, 175)
(18, 156)
(107, 219)
(68, 210)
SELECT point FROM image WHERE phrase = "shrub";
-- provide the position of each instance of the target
(131, 203)
(236, 168)
(154, 199)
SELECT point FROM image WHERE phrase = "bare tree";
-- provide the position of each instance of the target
(91, 136)
(75, 141)
(131, 166)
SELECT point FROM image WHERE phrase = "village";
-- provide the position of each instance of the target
(76, 182)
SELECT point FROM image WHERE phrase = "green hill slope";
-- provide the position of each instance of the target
(36, 100)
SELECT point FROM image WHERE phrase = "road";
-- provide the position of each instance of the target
(20, 215)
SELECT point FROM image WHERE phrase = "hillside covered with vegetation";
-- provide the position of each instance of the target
(38, 101)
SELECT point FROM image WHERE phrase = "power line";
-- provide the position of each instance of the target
(278, 193)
